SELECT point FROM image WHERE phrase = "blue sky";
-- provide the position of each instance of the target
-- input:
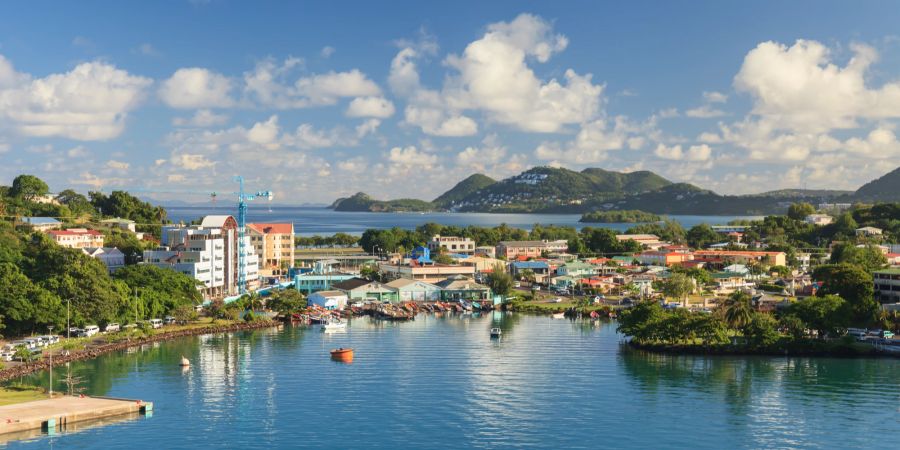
(320, 100)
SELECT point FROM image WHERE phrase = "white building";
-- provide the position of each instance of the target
(328, 299)
(819, 219)
(451, 244)
(111, 257)
(868, 231)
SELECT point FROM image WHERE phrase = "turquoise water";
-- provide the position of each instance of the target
(443, 383)
(317, 220)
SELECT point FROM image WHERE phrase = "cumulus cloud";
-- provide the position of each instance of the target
(202, 118)
(196, 87)
(378, 107)
(594, 140)
(700, 152)
(268, 85)
(90, 102)
(192, 161)
(117, 165)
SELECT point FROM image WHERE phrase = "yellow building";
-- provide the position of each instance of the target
(274, 244)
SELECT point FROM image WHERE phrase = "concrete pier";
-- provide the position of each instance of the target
(53, 414)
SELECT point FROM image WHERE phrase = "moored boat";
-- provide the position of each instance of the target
(342, 354)
(496, 332)
(561, 315)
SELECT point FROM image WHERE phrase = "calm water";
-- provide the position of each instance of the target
(442, 383)
(317, 220)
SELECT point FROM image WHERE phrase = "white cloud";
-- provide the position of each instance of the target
(192, 161)
(700, 152)
(201, 118)
(77, 152)
(326, 88)
(704, 112)
(327, 51)
(594, 140)
(265, 133)
(368, 127)
(379, 107)
(880, 143)
(267, 85)
(117, 165)
(404, 158)
(90, 102)
(196, 87)
(714, 97)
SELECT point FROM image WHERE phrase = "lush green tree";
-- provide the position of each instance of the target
(499, 280)
(28, 187)
(175, 288)
(824, 314)
(738, 310)
(853, 284)
(26, 307)
(527, 275)
(668, 230)
(782, 271)
(78, 204)
(286, 301)
(793, 326)
(868, 257)
(126, 242)
(640, 320)
(799, 211)
(761, 331)
(185, 314)
(700, 236)
(845, 225)
(677, 286)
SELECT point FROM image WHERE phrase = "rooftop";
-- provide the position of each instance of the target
(272, 228)
(40, 220)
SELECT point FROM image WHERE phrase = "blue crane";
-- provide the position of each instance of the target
(243, 198)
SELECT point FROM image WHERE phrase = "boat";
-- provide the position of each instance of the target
(496, 332)
(342, 354)
(561, 315)
(334, 325)
(595, 315)
(184, 362)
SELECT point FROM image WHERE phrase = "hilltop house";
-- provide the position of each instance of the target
(42, 223)
(111, 257)
(819, 219)
(451, 244)
(77, 237)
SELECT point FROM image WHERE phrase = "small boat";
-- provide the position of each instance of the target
(334, 325)
(561, 315)
(342, 354)
(496, 332)
(184, 362)
(595, 315)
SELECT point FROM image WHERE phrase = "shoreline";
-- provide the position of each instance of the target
(93, 352)
(719, 350)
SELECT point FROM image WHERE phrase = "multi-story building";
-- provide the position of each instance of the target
(663, 258)
(451, 244)
(209, 253)
(649, 241)
(887, 285)
(111, 257)
(429, 273)
(77, 237)
(728, 257)
(521, 249)
(274, 245)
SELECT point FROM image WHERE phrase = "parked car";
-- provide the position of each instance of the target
(7, 356)
(517, 284)
(156, 323)
(75, 331)
(91, 330)
(557, 300)
(112, 327)
(169, 320)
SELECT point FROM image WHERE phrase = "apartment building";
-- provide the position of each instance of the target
(451, 244)
(274, 245)
(77, 237)
(887, 285)
(521, 249)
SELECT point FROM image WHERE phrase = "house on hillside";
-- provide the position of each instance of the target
(111, 257)
(42, 223)
(869, 232)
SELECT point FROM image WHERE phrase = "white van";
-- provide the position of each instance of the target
(156, 323)
(112, 327)
(91, 330)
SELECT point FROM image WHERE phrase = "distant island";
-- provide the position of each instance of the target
(620, 216)
(553, 190)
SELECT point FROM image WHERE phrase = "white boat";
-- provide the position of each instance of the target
(561, 315)
(334, 325)
(496, 332)
(185, 362)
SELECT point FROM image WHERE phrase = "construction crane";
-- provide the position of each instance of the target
(243, 198)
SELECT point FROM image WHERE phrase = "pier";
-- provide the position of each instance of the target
(57, 413)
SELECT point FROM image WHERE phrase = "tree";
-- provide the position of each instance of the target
(78, 204)
(700, 236)
(286, 301)
(793, 326)
(761, 331)
(845, 225)
(678, 286)
(869, 257)
(527, 275)
(499, 281)
(163, 289)
(28, 187)
(799, 211)
(853, 284)
(738, 311)
(824, 314)
(184, 314)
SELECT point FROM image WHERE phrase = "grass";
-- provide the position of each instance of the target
(13, 394)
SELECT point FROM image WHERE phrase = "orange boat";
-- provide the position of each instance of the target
(342, 355)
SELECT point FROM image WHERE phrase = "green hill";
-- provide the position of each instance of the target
(363, 202)
(464, 188)
(884, 189)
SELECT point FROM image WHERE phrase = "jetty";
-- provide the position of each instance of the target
(54, 414)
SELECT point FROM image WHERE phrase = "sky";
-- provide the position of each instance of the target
(319, 100)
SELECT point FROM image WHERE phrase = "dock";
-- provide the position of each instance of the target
(58, 413)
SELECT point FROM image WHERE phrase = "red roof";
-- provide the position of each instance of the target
(733, 253)
(272, 228)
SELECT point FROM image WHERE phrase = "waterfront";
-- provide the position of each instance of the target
(443, 383)
(310, 220)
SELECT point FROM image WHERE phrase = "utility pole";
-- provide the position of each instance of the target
(68, 325)
(50, 327)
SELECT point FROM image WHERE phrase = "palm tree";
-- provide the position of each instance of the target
(738, 311)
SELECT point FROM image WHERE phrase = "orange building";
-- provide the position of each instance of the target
(274, 244)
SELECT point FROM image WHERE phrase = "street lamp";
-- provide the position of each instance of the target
(50, 327)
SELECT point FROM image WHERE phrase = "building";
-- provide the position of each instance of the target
(451, 244)
(887, 285)
(663, 258)
(577, 269)
(486, 251)
(463, 288)
(122, 224)
(111, 257)
(540, 269)
(274, 245)
(868, 231)
(649, 241)
(558, 246)
(363, 289)
(728, 282)
(429, 273)
(321, 278)
(42, 223)
(729, 257)
(415, 290)
(521, 249)
(819, 219)
(328, 299)
(209, 253)
(483, 264)
(77, 238)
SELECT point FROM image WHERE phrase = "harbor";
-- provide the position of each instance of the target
(59, 413)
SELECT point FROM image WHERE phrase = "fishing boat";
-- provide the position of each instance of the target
(334, 325)
(561, 315)
(342, 354)
(496, 332)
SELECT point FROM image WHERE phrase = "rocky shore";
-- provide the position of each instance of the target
(93, 351)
